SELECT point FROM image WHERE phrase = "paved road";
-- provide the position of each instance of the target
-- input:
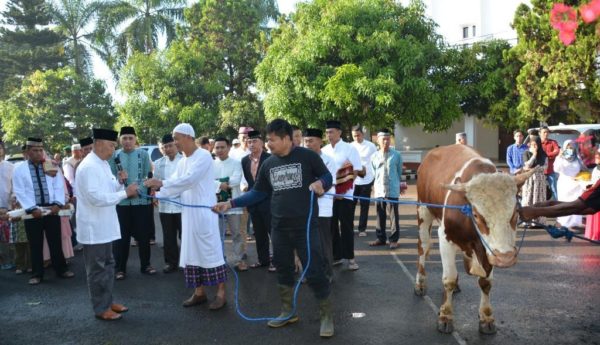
(550, 297)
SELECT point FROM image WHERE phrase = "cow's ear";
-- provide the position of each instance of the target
(521, 178)
(456, 187)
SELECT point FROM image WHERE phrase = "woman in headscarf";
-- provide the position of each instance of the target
(534, 189)
(568, 164)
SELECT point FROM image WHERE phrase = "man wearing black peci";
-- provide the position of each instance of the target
(260, 213)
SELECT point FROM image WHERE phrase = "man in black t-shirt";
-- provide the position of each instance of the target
(587, 203)
(289, 176)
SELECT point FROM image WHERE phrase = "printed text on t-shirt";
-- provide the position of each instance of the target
(286, 177)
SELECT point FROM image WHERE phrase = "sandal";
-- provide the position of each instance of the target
(256, 265)
(376, 243)
(394, 245)
(272, 268)
(149, 270)
(35, 281)
(120, 276)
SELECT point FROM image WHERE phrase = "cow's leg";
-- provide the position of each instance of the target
(449, 279)
(425, 219)
(486, 319)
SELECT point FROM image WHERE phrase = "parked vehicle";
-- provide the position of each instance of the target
(153, 151)
(564, 132)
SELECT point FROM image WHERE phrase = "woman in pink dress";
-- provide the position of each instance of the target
(52, 171)
(592, 225)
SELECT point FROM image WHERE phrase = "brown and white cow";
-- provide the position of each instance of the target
(459, 175)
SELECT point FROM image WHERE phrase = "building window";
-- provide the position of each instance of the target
(474, 31)
(465, 32)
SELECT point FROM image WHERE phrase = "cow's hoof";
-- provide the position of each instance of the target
(445, 326)
(420, 291)
(487, 328)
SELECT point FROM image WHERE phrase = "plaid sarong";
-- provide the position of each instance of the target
(198, 276)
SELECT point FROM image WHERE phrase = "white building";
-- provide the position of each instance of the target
(462, 22)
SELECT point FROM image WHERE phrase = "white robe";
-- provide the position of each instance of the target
(568, 188)
(194, 181)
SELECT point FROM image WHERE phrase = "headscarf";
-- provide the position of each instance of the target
(540, 157)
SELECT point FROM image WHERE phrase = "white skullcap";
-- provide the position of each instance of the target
(185, 128)
(75, 147)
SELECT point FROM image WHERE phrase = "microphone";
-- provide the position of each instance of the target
(150, 175)
(120, 168)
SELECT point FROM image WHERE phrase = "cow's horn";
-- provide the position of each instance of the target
(521, 178)
(456, 187)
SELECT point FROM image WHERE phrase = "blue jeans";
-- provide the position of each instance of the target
(551, 179)
(289, 235)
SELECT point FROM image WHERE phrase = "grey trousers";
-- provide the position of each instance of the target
(100, 269)
(238, 234)
(326, 244)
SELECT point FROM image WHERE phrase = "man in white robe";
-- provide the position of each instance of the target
(201, 248)
(98, 192)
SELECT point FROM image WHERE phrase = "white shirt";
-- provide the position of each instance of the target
(342, 153)
(194, 181)
(98, 192)
(239, 153)
(69, 170)
(231, 168)
(6, 173)
(23, 187)
(164, 169)
(366, 149)
(326, 201)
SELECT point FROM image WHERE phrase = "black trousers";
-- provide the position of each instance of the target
(152, 225)
(363, 191)
(171, 225)
(134, 221)
(261, 223)
(381, 220)
(288, 236)
(342, 229)
(35, 229)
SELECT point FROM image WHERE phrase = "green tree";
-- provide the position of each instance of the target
(74, 19)
(128, 26)
(48, 104)
(556, 82)
(368, 62)
(487, 76)
(27, 43)
(230, 35)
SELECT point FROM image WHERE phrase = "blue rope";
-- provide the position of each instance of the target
(558, 232)
(237, 279)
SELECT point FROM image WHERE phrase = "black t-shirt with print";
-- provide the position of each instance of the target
(287, 179)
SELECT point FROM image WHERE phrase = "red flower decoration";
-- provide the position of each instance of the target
(566, 37)
(561, 14)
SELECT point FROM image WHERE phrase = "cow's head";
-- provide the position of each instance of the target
(494, 203)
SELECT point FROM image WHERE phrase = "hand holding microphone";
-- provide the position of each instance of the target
(122, 174)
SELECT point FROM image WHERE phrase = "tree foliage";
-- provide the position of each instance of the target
(368, 62)
(129, 26)
(27, 43)
(205, 77)
(57, 105)
(556, 82)
(75, 20)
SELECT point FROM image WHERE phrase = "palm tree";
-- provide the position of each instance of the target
(75, 21)
(127, 26)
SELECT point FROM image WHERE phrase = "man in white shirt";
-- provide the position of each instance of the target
(243, 150)
(201, 248)
(363, 185)
(169, 213)
(348, 163)
(313, 139)
(70, 164)
(32, 190)
(98, 192)
(228, 174)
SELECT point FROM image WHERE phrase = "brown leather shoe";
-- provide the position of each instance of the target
(108, 315)
(194, 300)
(118, 308)
(217, 303)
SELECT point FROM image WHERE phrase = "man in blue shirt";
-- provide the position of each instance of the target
(514, 153)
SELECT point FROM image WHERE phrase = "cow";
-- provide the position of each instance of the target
(459, 175)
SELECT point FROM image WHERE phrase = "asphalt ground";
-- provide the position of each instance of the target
(552, 296)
